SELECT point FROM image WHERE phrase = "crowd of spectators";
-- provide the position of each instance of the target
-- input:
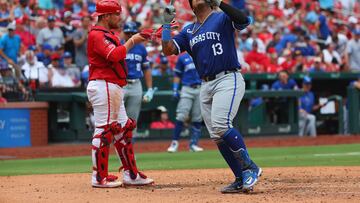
(43, 42)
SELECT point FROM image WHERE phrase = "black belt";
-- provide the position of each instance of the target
(213, 77)
(195, 86)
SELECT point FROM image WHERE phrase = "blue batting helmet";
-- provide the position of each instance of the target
(130, 27)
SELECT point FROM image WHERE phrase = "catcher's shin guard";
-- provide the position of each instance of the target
(100, 150)
(124, 149)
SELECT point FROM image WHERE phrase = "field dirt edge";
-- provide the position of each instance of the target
(292, 184)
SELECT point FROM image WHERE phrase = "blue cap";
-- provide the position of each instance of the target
(32, 48)
(163, 60)
(307, 80)
(51, 18)
(130, 27)
(67, 55)
(47, 47)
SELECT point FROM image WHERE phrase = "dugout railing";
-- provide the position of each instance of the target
(76, 129)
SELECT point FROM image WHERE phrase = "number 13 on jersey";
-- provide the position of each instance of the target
(217, 49)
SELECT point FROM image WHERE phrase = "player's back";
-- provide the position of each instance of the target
(135, 59)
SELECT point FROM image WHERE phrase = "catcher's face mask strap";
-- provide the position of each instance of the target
(190, 2)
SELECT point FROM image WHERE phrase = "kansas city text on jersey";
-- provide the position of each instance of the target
(204, 36)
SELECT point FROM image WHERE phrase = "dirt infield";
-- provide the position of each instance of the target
(312, 184)
(66, 150)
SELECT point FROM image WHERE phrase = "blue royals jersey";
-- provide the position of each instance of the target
(277, 85)
(211, 44)
(136, 61)
(307, 101)
(185, 69)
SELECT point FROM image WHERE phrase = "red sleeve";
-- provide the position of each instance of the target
(108, 50)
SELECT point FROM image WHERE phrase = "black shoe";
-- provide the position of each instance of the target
(235, 187)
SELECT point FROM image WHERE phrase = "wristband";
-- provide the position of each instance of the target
(166, 32)
(176, 86)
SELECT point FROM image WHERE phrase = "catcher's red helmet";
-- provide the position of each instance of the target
(106, 7)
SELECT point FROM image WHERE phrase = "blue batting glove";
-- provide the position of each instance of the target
(149, 95)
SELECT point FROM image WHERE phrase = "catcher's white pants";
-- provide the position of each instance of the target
(107, 102)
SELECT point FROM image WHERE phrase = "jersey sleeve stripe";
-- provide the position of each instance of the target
(177, 46)
(107, 56)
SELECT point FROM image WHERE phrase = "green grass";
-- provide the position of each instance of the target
(332, 155)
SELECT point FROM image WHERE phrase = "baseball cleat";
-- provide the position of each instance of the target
(173, 146)
(106, 184)
(195, 148)
(251, 177)
(138, 181)
(235, 187)
(111, 178)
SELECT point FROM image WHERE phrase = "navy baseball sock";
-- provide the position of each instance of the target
(195, 133)
(235, 142)
(177, 131)
(229, 157)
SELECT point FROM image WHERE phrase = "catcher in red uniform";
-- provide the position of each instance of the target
(107, 78)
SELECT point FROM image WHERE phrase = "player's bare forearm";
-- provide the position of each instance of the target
(169, 48)
(135, 39)
(176, 79)
(148, 78)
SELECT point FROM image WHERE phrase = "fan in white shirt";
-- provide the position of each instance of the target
(34, 69)
(331, 55)
(58, 75)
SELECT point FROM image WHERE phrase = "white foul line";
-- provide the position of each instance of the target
(340, 154)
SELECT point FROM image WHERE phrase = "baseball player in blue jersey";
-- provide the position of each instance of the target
(138, 67)
(210, 42)
(189, 103)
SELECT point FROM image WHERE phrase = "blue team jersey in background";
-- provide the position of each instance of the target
(307, 101)
(185, 69)
(136, 61)
(277, 85)
(212, 46)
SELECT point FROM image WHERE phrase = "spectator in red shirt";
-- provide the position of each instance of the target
(257, 61)
(27, 39)
(289, 62)
(273, 66)
(277, 11)
(164, 122)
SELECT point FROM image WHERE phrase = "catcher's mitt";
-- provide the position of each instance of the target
(154, 35)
